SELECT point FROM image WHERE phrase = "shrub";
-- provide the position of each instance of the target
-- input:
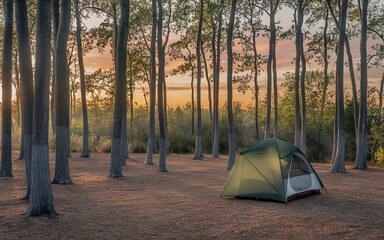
(379, 156)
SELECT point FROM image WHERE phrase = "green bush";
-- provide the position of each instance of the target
(379, 156)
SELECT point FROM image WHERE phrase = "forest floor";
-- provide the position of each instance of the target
(185, 203)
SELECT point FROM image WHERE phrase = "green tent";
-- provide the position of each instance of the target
(272, 169)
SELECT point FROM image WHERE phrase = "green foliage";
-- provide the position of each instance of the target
(379, 156)
(376, 143)
(319, 140)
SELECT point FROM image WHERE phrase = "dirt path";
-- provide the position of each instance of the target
(185, 203)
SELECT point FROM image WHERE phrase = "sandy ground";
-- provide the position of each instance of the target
(185, 203)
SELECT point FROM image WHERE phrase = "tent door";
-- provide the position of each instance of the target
(299, 177)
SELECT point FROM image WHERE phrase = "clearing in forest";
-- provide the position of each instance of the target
(185, 203)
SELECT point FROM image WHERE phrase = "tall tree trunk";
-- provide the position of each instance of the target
(231, 124)
(18, 103)
(152, 89)
(6, 147)
(275, 93)
(55, 22)
(208, 82)
(325, 81)
(62, 175)
(198, 140)
(85, 151)
(160, 101)
(353, 83)
(192, 92)
(303, 138)
(255, 82)
(269, 69)
(351, 69)
(339, 163)
(120, 105)
(216, 85)
(17, 88)
(361, 138)
(26, 87)
(41, 199)
(298, 26)
(214, 65)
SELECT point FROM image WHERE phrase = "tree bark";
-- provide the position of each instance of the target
(303, 137)
(339, 163)
(270, 62)
(41, 200)
(120, 105)
(160, 101)
(216, 86)
(85, 151)
(17, 88)
(62, 175)
(214, 65)
(198, 137)
(255, 82)
(298, 26)
(152, 90)
(325, 80)
(55, 23)
(208, 82)
(231, 124)
(6, 147)
(361, 138)
(350, 66)
(192, 97)
(26, 86)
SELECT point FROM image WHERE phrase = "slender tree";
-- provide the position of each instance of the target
(361, 138)
(350, 66)
(249, 59)
(62, 175)
(326, 77)
(216, 52)
(160, 101)
(85, 151)
(117, 156)
(26, 87)
(55, 23)
(207, 77)
(298, 27)
(300, 60)
(231, 124)
(199, 142)
(339, 162)
(6, 147)
(41, 200)
(303, 137)
(152, 89)
(18, 98)
(271, 70)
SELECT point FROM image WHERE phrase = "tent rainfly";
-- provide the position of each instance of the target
(272, 169)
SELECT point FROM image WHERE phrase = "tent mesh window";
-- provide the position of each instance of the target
(300, 177)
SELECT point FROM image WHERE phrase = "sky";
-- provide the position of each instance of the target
(178, 87)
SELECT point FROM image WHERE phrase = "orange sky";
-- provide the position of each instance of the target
(179, 91)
